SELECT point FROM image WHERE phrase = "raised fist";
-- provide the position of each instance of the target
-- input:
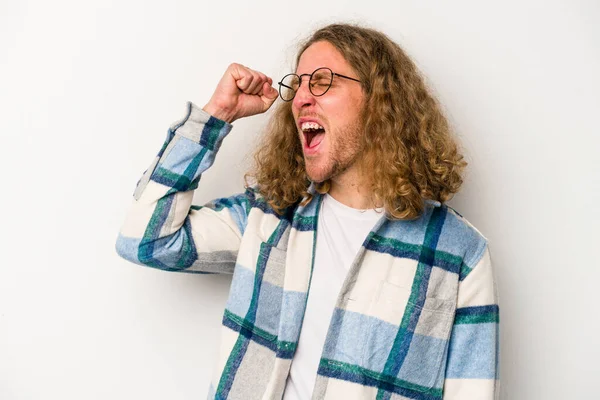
(241, 92)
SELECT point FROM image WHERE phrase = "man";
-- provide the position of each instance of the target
(351, 278)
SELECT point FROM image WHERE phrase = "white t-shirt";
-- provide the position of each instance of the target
(341, 232)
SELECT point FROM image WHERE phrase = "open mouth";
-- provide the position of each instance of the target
(313, 134)
(313, 138)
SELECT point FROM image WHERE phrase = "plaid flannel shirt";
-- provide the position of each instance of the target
(416, 318)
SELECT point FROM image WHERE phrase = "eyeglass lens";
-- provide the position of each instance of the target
(319, 83)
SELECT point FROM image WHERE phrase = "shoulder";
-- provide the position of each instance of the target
(259, 203)
(467, 240)
(465, 222)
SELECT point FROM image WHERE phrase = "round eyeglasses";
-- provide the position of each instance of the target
(319, 83)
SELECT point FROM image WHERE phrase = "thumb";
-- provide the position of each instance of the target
(269, 94)
(270, 91)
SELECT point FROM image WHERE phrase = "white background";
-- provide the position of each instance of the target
(88, 90)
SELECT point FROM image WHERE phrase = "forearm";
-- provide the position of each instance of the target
(160, 230)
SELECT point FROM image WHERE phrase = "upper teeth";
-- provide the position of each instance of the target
(310, 125)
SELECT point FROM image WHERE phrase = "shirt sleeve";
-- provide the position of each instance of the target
(162, 228)
(472, 370)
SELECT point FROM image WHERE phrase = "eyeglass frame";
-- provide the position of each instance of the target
(280, 83)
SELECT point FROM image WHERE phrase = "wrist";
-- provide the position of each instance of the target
(219, 112)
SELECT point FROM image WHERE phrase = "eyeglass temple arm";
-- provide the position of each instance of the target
(344, 76)
(283, 84)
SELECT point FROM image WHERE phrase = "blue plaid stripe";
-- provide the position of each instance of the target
(474, 351)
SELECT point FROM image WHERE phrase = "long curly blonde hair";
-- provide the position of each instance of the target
(409, 153)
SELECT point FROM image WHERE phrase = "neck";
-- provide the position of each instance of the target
(351, 191)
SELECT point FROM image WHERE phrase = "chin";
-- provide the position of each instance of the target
(318, 176)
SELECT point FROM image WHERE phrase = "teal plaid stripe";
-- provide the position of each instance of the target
(282, 348)
(211, 133)
(151, 241)
(465, 270)
(396, 248)
(304, 223)
(385, 383)
(477, 315)
(183, 182)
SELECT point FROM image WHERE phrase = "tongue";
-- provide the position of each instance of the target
(316, 140)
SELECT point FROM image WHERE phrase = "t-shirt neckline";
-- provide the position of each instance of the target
(369, 213)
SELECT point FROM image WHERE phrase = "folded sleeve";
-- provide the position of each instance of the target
(472, 370)
(162, 228)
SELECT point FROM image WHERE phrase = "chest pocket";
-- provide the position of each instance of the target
(271, 265)
(407, 340)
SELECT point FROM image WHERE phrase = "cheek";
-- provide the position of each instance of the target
(343, 109)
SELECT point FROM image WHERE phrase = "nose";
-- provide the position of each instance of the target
(303, 95)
